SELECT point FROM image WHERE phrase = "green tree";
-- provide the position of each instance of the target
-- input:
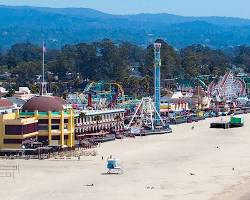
(26, 71)
(10, 93)
(82, 115)
(23, 52)
(201, 60)
(241, 58)
(34, 88)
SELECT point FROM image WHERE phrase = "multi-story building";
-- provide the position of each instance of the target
(55, 120)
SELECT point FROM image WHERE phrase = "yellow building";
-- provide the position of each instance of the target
(174, 104)
(55, 121)
(15, 131)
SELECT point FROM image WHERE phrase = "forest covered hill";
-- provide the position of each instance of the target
(60, 26)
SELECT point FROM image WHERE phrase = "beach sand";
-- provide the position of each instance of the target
(184, 165)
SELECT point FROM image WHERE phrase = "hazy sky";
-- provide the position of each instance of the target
(234, 8)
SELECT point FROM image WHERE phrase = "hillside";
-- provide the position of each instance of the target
(59, 26)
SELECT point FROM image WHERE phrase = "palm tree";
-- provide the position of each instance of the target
(34, 89)
(118, 119)
(97, 118)
(82, 115)
(55, 89)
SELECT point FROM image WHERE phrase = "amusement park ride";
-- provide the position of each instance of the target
(147, 119)
(227, 93)
(222, 92)
(104, 94)
(145, 116)
(227, 89)
(99, 95)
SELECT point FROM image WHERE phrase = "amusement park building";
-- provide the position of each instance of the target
(107, 120)
(55, 122)
(174, 104)
(47, 120)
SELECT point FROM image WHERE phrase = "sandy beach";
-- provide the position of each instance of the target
(199, 164)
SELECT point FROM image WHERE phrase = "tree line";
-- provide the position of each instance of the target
(123, 62)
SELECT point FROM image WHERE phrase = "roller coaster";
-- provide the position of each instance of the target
(227, 88)
(99, 95)
(106, 93)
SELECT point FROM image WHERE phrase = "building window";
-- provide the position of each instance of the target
(55, 137)
(65, 137)
(21, 129)
(13, 141)
(55, 127)
(43, 127)
(43, 121)
(13, 130)
(55, 121)
(30, 128)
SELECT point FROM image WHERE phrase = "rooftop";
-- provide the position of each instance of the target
(44, 104)
(5, 103)
(102, 112)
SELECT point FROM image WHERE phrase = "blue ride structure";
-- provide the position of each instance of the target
(157, 79)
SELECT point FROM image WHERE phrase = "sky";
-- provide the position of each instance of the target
(229, 8)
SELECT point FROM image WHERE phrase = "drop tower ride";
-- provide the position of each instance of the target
(157, 79)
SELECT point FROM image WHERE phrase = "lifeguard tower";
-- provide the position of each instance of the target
(113, 166)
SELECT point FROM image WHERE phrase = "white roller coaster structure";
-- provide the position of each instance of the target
(227, 88)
